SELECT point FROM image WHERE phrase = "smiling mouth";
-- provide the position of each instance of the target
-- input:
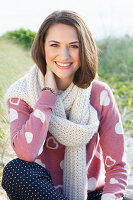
(63, 65)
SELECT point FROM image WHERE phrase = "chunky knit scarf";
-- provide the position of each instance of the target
(73, 123)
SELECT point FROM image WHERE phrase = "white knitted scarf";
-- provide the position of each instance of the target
(73, 123)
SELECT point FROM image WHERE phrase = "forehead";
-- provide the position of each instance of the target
(62, 31)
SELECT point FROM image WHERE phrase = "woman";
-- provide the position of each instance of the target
(63, 121)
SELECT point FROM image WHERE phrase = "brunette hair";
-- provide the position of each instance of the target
(88, 49)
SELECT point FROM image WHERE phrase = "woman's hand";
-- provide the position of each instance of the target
(49, 81)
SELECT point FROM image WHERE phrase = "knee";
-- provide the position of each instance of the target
(11, 168)
(11, 171)
(8, 174)
(20, 169)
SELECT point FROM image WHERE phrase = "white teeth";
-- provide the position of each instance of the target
(63, 65)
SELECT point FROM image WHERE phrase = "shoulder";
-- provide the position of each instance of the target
(100, 90)
(101, 95)
(99, 86)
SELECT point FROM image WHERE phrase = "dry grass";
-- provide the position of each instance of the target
(14, 62)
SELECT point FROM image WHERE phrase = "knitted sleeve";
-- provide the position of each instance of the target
(112, 144)
(29, 128)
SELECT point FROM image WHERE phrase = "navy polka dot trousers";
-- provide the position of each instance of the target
(29, 181)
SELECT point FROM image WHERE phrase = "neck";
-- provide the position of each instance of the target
(62, 84)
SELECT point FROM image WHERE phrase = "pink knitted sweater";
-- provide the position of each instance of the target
(28, 130)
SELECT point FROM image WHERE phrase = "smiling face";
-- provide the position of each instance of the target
(62, 52)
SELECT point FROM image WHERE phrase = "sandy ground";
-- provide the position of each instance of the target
(129, 153)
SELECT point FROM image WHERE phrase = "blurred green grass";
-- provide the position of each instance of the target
(116, 68)
(14, 62)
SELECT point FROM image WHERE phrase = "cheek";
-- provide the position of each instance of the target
(49, 55)
(75, 56)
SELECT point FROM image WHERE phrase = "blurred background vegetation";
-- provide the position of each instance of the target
(115, 68)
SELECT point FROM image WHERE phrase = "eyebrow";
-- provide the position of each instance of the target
(59, 42)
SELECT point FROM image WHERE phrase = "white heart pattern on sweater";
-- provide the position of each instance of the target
(39, 114)
(15, 103)
(104, 98)
(29, 137)
(13, 115)
(109, 196)
(109, 162)
(62, 164)
(41, 149)
(92, 184)
(113, 181)
(51, 143)
(60, 187)
(118, 128)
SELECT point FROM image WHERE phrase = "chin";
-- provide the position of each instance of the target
(64, 76)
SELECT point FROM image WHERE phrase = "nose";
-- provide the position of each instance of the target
(64, 53)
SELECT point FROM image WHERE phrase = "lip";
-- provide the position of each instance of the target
(64, 65)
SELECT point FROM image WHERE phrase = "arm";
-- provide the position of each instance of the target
(112, 144)
(29, 128)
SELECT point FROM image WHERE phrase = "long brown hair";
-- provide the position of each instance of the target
(88, 49)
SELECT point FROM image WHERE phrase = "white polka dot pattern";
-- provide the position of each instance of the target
(62, 164)
(109, 162)
(29, 137)
(113, 181)
(104, 98)
(108, 196)
(39, 114)
(13, 115)
(40, 163)
(41, 149)
(118, 128)
(92, 184)
(51, 143)
(27, 180)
